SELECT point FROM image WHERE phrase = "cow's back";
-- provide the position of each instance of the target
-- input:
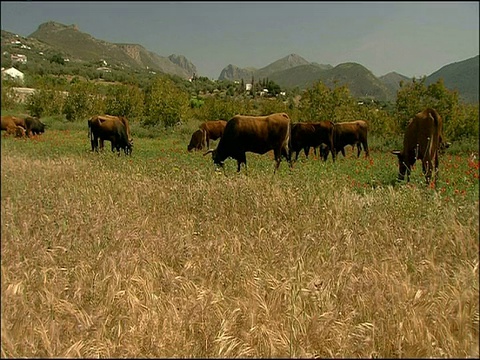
(257, 134)
(345, 133)
(214, 128)
(424, 129)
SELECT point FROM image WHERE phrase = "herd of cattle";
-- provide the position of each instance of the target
(423, 139)
(22, 126)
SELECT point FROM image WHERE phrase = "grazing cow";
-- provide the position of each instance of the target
(8, 124)
(213, 130)
(257, 134)
(197, 141)
(34, 126)
(306, 135)
(124, 120)
(349, 133)
(423, 139)
(19, 121)
(109, 128)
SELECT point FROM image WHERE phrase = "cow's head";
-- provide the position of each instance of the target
(215, 157)
(19, 131)
(443, 146)
(402, 167)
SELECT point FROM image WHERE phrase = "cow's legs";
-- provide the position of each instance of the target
(427, 169)
(95, 143)
(306, 150)
(359, 149)
(278, 159)
(365, 148)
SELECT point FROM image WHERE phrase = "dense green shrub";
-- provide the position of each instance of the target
(8, 96)
(414, 97)
(320, 103)
(125, 100)
(165, 104)
(45, 102)
(83, 101)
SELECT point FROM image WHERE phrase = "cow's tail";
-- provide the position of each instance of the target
(288, 142)
(437, 130)
(204, 138)
(434, 116)
(90, 129)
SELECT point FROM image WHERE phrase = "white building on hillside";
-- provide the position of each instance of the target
(13, 73)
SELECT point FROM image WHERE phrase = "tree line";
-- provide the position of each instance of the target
(166, 101)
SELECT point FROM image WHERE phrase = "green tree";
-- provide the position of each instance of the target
(58, 59)
(459, 120)
(124, 100)
(8, 95)
(83, 101)
(320, 103)
(165, 103)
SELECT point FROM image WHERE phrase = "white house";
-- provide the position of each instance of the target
(13, 73)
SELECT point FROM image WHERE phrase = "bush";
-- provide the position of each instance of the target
(124, 100)
(8, 97)
(165, 103)
(44, 102)
(83, 101)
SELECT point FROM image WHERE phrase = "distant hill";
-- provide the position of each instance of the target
(461, 76)
(392, 81)
(294, 71)
(83, 47)
(289, 72)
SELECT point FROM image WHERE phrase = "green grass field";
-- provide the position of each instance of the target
(159, 255)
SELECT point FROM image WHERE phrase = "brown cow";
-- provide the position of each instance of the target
(19, 121)
(9, 125)
(31, 124)
(306, 135)
(109, 128)
(197, 141)
(257, 134)
(423, 139)
(353, 133)
(213, 130)
(124, 120)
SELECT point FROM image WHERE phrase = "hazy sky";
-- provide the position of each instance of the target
(410, 38)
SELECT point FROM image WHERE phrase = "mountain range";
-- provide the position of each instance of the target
(289, 72)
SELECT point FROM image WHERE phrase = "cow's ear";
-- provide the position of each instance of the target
(396, 152)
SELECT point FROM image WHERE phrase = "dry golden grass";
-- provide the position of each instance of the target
(113, 257)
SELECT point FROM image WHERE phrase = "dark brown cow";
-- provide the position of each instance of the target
(34, 126)
(423, 139)
(8, 124)
(109, 128)
(124, 120)
(353, 133)
(213, 130)
(197, 141)
(257, 134)
(306, 135)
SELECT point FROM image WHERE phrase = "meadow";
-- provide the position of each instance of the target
(159, 255)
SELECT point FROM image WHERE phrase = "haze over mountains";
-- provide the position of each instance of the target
(289, 72)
